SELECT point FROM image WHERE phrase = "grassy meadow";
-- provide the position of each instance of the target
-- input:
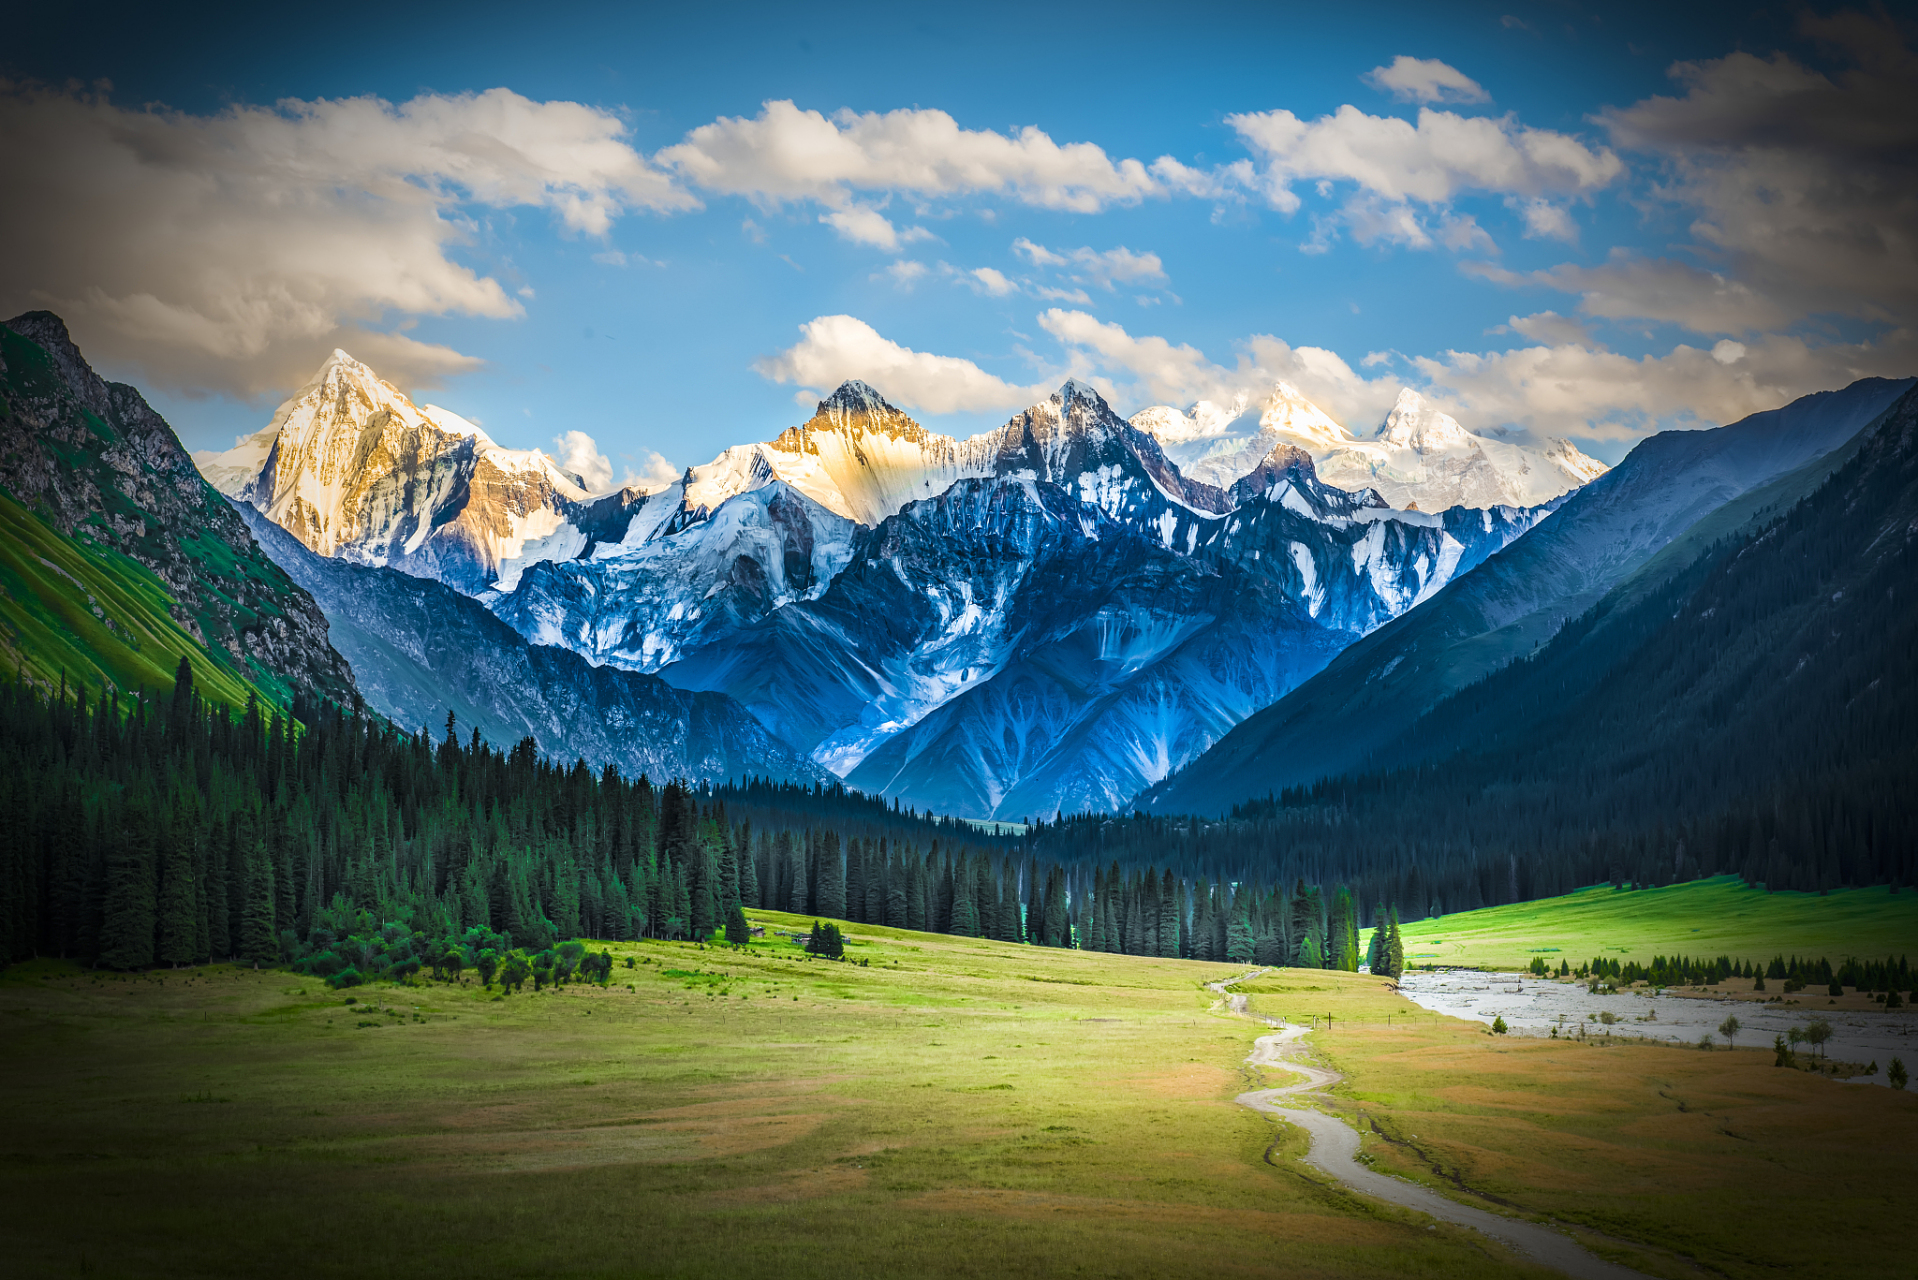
(938, 1105)
(1709, 918)
(1666, 1159)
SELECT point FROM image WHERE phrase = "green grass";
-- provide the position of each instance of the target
(57, 597)
(1672, 1161)
(950, 1108)
(1706, 918)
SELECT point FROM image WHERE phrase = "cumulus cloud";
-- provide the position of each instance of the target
(579, 453)
(1552, 329)
(1431, 162)
(786, 154)
(1573, 390)
(1155, 370)
(832, 349)
(1801, 186)
(228, 253)
(1102, 269)
(906, 273)
(1629, 287)
(863, 224)
(1545, 220)
(1425, 80)
(990, 280)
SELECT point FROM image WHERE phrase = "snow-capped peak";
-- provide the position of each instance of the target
(1415, 423)
(1074, 390)
(1291, 416)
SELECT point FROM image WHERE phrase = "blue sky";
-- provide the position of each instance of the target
(593, 221)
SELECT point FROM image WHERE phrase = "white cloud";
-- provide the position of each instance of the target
(832, 349)
(1048, 293)
(786, 154)
(1552, 329)
(906, 273)
(579, 453)
(863, 224)
(655, 473)
(1430, 162)
(1572, 390)
(992, 281)
(1800, 186)
(1629, 287)
(1546, 221)
(1425, 80)
(230, 252)
(1158, 371)
(1101, 269)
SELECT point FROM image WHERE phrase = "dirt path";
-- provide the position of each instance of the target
(1335, 1148)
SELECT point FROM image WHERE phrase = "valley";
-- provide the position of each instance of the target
(951, 1106)
(788, 641)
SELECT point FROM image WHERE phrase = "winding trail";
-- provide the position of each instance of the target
(1335, 1147)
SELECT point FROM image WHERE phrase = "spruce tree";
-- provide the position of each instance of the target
(258, 943)
(1394, 947)
(832, 877)
(179, 899)
(130, 911)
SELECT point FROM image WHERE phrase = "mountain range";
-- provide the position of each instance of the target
(1650, 515)
(1071, 612)
(1049, 615)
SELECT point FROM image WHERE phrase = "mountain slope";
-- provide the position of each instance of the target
(1756, 711)
(682, 581)
(1016, 645)
(119, 558)
(1517, 599)
(1115, 687)
(421, 648)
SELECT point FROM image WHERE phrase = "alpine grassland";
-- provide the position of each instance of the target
(930, 1105)
(1700, 918)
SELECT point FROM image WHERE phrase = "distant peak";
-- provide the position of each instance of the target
(855, 396)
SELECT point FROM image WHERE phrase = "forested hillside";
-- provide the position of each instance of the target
(169, 832)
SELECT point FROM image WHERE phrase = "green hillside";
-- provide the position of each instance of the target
(117, 558)
(1719, 916)
(96, 617)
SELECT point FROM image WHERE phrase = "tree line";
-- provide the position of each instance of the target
(162, 831)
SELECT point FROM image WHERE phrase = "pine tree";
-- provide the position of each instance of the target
(1394, 947)
(257, 932)
(832, 877)
(179, 899)
(130, 910)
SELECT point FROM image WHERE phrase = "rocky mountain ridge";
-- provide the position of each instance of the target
(100, 466)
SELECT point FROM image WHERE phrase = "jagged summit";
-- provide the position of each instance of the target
(1073, 389)
(1416, 423)
(856, 396)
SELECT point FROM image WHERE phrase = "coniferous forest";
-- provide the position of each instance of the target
(172, 831)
